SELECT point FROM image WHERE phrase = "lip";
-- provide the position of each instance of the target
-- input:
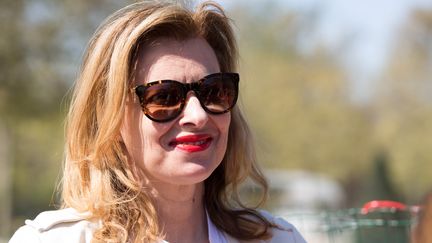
(192, 143)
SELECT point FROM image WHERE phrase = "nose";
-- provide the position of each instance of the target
(193, 114)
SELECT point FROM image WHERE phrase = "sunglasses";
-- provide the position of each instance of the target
(164, 100)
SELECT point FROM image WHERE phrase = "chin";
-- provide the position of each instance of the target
(192, 176)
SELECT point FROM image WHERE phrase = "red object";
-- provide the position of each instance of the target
(380, 204)
(192, 143)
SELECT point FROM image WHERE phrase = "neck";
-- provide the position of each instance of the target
(181, 212)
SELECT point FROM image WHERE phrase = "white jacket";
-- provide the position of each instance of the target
(69, 226)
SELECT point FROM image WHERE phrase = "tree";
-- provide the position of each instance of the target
(40, 48)
(296, 100)
(403, 112)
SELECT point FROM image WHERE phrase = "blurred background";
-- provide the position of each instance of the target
(338, 93)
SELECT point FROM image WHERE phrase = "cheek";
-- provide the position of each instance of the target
(132, 135)
(154, 134)
(143, 141)
(227, 122)
(223, 123)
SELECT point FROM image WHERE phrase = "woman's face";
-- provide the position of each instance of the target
(172, 152)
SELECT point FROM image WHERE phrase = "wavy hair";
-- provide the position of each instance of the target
(98, 176)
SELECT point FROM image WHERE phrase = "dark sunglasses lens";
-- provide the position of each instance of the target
(163, 101)
(219, 93)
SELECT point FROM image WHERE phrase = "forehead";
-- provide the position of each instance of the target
(187, 60)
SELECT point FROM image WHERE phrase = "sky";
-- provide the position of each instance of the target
(371, 25)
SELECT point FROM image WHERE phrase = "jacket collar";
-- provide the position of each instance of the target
(215, 235)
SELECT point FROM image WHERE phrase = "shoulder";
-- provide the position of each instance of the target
(285, 232)
(65, 225)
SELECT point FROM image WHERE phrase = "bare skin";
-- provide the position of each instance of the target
(182, 213)
(176, 176)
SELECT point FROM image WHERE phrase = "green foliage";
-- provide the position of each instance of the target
(298, 104)
(40, 48)
(297, 101)
(403, 106)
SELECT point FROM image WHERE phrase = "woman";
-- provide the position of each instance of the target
(156, 148)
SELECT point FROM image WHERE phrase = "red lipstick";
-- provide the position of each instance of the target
(192, 143)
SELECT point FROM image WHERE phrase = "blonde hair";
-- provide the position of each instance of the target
(99, 178)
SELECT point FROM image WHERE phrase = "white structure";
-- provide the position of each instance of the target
(302, 190)
(303, 198)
